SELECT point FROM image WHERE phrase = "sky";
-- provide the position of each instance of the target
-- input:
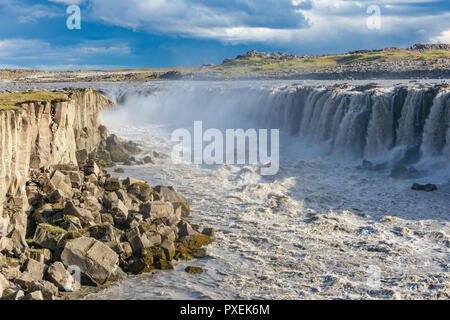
(169, 33)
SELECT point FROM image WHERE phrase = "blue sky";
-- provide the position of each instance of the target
(166, 33)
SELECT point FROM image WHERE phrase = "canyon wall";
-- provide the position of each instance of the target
(39, 135)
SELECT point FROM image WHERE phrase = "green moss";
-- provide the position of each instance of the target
(10, 101)
(29, 241)
(53, 229)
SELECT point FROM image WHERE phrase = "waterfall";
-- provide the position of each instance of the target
(350, 122)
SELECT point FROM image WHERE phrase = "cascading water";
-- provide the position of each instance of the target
(395, 124)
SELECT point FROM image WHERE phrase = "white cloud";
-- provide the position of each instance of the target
(31, 49)
(444, 37)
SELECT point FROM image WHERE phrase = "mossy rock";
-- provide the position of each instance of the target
(156, 253)
(118, 155)
(194, 270)
(112, 185)
(196, 241)
(53, 229)
(141, 190)
(164, 265)
(71, 235)
(199, 253)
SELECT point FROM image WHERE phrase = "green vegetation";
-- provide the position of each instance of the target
(257, 65)
(53, 229)
(10, 101)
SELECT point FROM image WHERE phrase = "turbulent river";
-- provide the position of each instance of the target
(324, 226)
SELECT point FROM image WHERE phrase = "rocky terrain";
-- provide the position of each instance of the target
(420, 61)
(65, 222)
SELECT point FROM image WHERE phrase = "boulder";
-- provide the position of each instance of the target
(93, 189)
(193, 242)
(62, 183)
(427, 187)
(125, 198)
(6, 245)
(17, 236)
(71, 223)
(199, 253)
(82, 158)
(170, 194)
(91, 167)
(107, 218)
(57, 196)
(137, 240)
(208, 231)
(141, 190)
(84, 215)
(91, 204)
(59, 276)
(119, 212)
(126, 250)
(185, 229)
(156, 210)
(48, 289)
(112, 184)
(15, 295)
(149, 160)
(76, 178)
(194, 270)
(34, 296)
(35, 269)
(4, 284)
(168, 249)
(48, 236)
(107, 234)
(40, 255)
(94, 259)
(2, 260)
(119, 170)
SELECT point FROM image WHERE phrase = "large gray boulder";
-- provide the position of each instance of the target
(93, 258)
(85, 216)
(59, 276)
(35, 269)
(6, 244)
(156, 210)
(140, 240)
(4, 284)
(48, 236)
(91, 167)
(62, 183)
(170, 194)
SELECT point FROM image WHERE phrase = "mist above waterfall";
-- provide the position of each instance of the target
(394, 125)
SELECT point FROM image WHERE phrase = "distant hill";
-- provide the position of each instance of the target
(419, 60)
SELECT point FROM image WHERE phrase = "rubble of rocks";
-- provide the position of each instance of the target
(86, 228)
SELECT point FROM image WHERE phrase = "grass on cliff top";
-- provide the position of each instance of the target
(317, 62)
(9, 101)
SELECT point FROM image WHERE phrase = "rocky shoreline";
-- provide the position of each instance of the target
(71, 224)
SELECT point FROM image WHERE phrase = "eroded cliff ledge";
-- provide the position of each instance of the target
(43, 134)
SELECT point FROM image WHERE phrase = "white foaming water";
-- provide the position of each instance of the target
(320, 227)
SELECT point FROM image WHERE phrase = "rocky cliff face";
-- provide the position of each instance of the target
(43, 134)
